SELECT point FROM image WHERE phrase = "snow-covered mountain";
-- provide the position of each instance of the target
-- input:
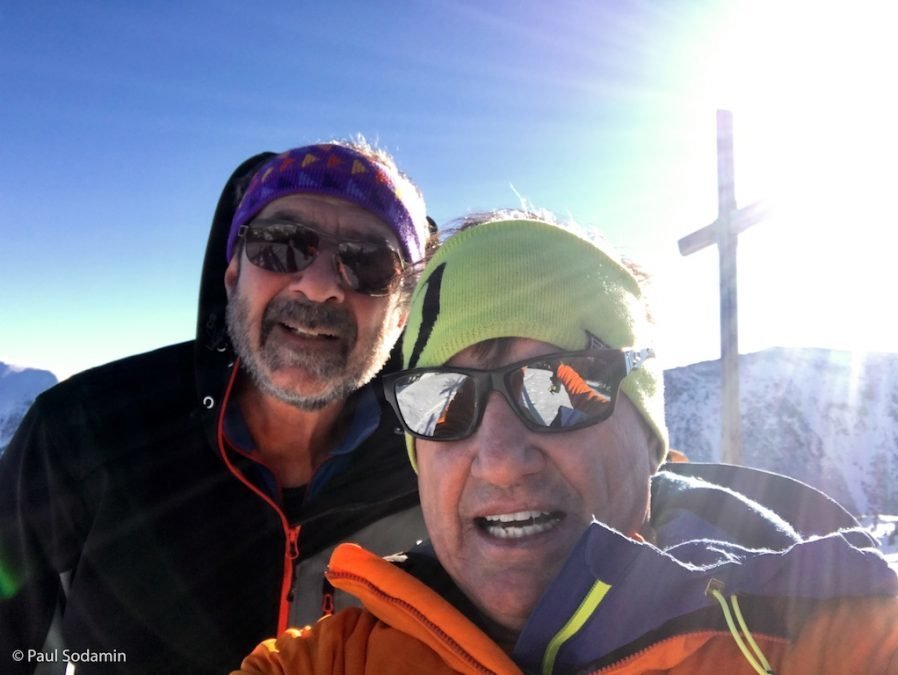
(828, 418)
(18, 389)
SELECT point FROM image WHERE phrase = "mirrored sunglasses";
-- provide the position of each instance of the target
(549, 394)
(369, 267)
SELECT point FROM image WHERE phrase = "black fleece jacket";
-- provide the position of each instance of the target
(118, 510)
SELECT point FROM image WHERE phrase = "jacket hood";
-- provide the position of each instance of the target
(213, 351)
(211, 332)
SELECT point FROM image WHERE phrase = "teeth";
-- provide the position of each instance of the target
(520, 524)
(307, 333)
(512, 517)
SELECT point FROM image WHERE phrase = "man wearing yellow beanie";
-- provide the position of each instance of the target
(533, 412)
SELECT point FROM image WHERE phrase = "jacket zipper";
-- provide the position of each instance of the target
(291, 534)
(291, 553)
(444, 637)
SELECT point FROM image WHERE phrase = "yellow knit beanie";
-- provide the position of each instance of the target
(531, 279)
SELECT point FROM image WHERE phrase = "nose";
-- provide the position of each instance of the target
(319, 282)
(506, 452)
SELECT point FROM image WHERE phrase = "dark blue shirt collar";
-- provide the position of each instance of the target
(362, 420)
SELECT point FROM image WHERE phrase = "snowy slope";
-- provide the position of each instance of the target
(828, 418)
(18, 389)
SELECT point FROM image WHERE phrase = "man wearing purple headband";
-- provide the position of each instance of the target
(168, 511)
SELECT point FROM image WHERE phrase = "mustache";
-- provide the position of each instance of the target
(312, 315)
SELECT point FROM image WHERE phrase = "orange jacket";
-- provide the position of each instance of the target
(406, 627)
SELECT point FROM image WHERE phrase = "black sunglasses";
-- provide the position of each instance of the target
(368, 267)
(553, 393)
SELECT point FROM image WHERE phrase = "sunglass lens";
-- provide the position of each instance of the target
(565, 393)
(437, 405)
(369, 268)
(283, 248)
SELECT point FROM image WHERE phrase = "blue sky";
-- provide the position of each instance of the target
(121, 122)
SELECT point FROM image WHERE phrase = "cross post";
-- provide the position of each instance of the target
(724, 232)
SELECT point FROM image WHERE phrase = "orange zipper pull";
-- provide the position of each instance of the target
(293, 542)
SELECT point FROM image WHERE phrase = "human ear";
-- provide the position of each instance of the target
(232, 273)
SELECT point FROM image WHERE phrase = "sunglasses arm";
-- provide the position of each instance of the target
(635, 358)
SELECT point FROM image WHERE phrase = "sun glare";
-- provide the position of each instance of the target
(815, 137)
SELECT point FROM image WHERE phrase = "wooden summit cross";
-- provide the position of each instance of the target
(724, 231)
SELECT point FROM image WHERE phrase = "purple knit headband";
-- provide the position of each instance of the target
(339, 171)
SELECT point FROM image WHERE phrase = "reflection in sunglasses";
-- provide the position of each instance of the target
(371, 267)
(564, 391)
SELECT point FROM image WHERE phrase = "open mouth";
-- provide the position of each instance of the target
(309, 333)
(519, 524)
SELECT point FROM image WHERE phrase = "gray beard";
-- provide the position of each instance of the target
(344, 371)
